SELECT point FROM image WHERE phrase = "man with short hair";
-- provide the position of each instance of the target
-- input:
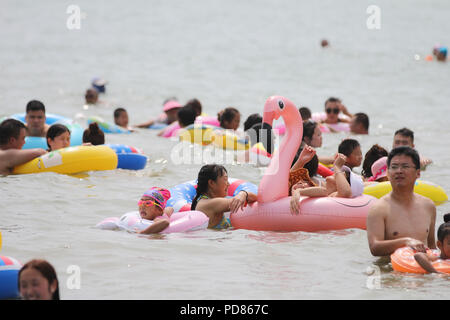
(405, 137)
(35, 119)
(402, 217)
(359, 123)
(12, 139)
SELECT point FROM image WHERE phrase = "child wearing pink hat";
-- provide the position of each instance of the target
(379, 170)
(152, 206)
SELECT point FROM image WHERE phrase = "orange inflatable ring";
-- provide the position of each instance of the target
(403, 261)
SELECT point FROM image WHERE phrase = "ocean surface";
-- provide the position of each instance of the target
(225, 53)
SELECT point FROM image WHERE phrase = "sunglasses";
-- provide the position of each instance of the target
(334, 110)
(148, 203)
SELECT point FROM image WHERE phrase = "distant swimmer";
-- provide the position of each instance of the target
(170, 109)
(91, 96)
(121, 118)
(359, 123)
(324, 43)
(442, 54)
(405, 137)
(35, 119)
(229, 118)
(12, 139)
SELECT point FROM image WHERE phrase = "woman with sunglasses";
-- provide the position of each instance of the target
(332, 121)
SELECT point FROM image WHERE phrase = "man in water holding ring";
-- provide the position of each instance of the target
(402, 217)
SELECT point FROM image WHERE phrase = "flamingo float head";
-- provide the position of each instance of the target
(274, 184)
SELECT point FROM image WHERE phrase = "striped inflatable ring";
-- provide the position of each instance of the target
(9, 272)
(129, 158)
(107, 127)
(183, 194)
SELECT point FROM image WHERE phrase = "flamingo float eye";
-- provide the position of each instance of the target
(281, 104)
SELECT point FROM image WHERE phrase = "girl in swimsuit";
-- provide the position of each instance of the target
(212, 187)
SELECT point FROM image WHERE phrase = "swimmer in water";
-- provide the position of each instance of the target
(212, 188)
(58, 137)
(152, 206)
(12, 139)
(38, 281)
(443, 243)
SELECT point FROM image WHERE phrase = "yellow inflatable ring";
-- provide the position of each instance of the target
(72, 160)
(200, 134)
(424, 188)
(229, 141)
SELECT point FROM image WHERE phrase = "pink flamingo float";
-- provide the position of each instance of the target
(272, 210)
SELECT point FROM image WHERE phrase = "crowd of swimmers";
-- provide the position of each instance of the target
(401, 218)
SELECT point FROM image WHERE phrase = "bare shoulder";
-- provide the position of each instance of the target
(424, 201)
(380, 207)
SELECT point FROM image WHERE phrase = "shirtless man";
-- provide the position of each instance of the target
(405, 137)
(35, 119)
(12, 139)
(402, 217)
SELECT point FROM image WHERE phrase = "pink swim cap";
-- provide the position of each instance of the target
(159, 196)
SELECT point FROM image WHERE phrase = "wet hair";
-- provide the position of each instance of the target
(186, 116)
(373, 154)
(407, 151)
(91, 94)
(363, 119)
(207, 172)
(308, 129)
(252, 119)
(332, 99)
(311, 166)
(118, 112)
(347, 146)
(405, 132)
(444, 229)
(94, 134)
(47, 271)
(35, 105)
(196, 105)
(10, 128)
(227, 115)
(56, 130)
(305, 113)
